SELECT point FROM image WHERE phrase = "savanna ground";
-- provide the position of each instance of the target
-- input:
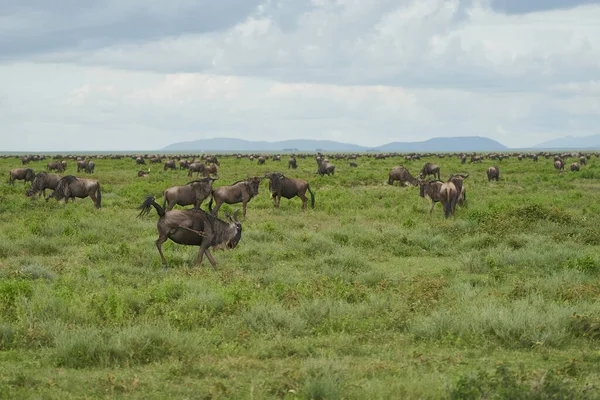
(366, 296)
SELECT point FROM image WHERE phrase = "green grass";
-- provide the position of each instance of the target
(366, 296)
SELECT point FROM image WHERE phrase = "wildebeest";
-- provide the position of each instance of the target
(42, 181)
(143, 174)
(18, 174)
(353, 164)
(325, 167)
(140, 161)
(431, 190)
(194, 228)
(282, 186)
(240, 191)
(401, 174)
(90, 167)
(574, 167)
(292, 163)
(559, 164)
(194, 192)
(70, 187)
(431, 169)
(82, 165)
(448, 198)
(195, 167)
(184, 164)
(169, 164)
(261, 160)
(56, 166)
(493, 172)
(582, 160)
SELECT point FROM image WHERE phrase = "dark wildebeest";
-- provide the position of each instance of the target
(184, 164)
(210, 169)
(194, 192)
(325, 167)
(582, 160)
(56, 165)
(196, 167)
(448, 197)
(18, 174)
(143, 174)
(81, 165)
(401, 174)
(493, 173)
(213, 160)
(431, 169)
(559, 165)
(194, 228)
(240, 191)
(261, 160)
(431, 190)
(70, 187)
(353, 164)
(282, 186)
(292, 163)
(170, 164)
(90, 167)
(461, 193)
(42, 181)
(574, 167)
(140, 161)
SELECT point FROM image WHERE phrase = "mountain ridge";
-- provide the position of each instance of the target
(447, 144)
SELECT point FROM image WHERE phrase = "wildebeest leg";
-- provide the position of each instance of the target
(211, 259)
(93, 197)
(204, 249)
(274, 196)
(244, 202)
(215, 210)
(161, 239)
(431, 209)
(304, 200)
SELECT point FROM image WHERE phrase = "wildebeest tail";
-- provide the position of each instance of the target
(448, 205)
(147, 204)
(164, 201)
(312, 197)
(98, 197)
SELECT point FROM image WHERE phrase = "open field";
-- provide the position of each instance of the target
(366, 296)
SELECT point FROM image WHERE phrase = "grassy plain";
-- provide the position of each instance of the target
(367, 296)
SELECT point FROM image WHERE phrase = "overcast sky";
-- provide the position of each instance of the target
(142, 74)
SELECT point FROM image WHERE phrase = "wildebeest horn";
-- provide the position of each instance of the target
(466, 176)
(235, 215)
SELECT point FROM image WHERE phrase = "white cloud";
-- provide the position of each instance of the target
(365, 72)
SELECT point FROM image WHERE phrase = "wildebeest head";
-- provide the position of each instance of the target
(233, 242)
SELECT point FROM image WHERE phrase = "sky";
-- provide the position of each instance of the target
(142, 74)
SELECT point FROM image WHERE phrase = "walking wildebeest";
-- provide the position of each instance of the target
(194, 192)
(292, 163)
(431, 169)
(493, 173)
(401, 174)
(18, 174)
(70, 187)
(240, 191)
(574, 167)
(282, 186)
(89, 169)
(170, 164)
(432, 191)
(194, 228)
(42, 181)
(325, 167)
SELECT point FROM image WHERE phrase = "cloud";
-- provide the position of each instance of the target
(142, 75)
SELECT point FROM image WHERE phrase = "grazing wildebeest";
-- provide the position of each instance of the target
(195, 167)
(240, 191)
(325, 167)
(194, 192)
(493, 173)
(292, 163)
(140, 161)
(582, 160)
(261, 160)
(81, 165)
(282, 186)
(431, 169)
(56, 165)
(184, 164)
(42, 181)
(90, 167)
(18, 174)
(574, 167)
(170, 164)
(70, 187)
(559, 164)
(401, 174)
(194, 228)
(353, 164)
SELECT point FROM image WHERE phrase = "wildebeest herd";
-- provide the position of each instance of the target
(197, 227)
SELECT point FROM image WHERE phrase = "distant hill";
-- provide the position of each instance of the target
(570, 142)
(452, 144)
